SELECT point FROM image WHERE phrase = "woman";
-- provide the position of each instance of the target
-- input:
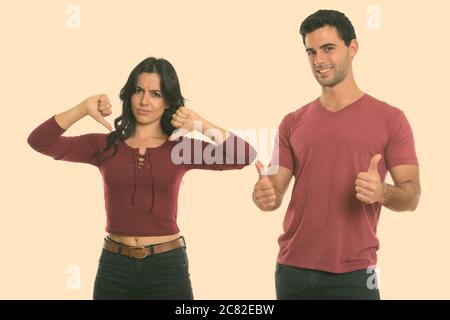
(142, 164)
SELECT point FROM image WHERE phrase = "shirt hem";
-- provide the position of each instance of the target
(318, 267)
(141, 233)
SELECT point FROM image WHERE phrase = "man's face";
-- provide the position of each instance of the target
(329, 57)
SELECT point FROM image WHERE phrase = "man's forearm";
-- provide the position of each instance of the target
(404, 197)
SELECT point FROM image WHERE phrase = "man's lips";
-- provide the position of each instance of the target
(324, 69)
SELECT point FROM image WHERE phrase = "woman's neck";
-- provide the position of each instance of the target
(148, 132)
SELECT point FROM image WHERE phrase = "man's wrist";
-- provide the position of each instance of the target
(383, 193)
(254, 199)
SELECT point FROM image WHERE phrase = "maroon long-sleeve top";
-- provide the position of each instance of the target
(141, 191)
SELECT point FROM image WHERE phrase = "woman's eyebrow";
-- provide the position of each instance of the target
(151, 90)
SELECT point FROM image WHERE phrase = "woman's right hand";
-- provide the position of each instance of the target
(98, 107)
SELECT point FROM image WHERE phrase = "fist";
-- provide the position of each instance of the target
(98, 107)
(264, 192)
(369, 188)
(184, 119)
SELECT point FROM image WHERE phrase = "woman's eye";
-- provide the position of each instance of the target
(156, 94)
(137, 90)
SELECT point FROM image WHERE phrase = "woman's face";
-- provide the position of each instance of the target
(147, 102)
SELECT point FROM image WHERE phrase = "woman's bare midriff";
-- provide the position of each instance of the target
(142, 241)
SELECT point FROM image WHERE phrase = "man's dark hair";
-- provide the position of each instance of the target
(330, 18)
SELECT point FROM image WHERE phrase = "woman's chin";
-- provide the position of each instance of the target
(144, 121)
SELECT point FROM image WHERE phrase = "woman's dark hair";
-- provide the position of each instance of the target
(125, 124)
(330, 18)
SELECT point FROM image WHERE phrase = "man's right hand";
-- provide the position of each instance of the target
(264, 194)
(98, 107)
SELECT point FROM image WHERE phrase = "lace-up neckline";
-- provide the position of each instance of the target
(142, 162)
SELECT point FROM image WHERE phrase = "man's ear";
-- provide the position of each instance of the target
(353, 47)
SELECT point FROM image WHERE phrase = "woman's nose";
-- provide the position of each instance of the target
(145, 99)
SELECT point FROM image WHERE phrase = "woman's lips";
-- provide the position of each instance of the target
(142, 112)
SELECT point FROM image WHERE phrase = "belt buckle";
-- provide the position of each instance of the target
(138, 256)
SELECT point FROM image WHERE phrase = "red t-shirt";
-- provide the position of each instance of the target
(141, 200)
(326, 227)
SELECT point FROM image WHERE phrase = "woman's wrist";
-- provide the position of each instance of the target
(82, 109)
(215, 133)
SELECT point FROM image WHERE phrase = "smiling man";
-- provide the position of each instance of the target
(339, 149)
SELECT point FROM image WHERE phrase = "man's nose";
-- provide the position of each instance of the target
(319, 59)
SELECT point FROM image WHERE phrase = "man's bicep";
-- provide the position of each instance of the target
(405, 173)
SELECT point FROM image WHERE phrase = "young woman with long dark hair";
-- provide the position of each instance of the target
(142, 165)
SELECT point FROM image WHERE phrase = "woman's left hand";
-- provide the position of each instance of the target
(187, 119)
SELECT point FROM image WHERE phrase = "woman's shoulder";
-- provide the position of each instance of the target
(97, 139)
(96, 136)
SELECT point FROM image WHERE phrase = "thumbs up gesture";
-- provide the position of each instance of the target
(264, 192)
(369, 188)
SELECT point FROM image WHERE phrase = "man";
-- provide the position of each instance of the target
(339, 149)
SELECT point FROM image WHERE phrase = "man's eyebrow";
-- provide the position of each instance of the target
(327, 45)
(321, 47)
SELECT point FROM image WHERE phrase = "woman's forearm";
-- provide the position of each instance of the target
(67, 118)
(216, 133)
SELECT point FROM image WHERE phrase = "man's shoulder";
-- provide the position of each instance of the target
(299, 113)
(381, 106)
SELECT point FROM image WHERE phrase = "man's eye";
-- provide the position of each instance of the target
(311, 53)
(329, 49)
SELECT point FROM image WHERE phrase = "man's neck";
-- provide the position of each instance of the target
(341, 95)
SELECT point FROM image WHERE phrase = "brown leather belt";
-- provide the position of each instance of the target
(142, 252)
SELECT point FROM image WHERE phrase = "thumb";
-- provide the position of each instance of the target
(261, 170)
(176, 134)
(373, 168)
(104, 123)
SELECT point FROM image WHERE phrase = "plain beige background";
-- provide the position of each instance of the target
(241, 64)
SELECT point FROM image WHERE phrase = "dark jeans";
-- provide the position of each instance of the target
(160, 276)
(303, 284)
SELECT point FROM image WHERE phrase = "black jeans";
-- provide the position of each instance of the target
(303, 284)
(156, 277)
